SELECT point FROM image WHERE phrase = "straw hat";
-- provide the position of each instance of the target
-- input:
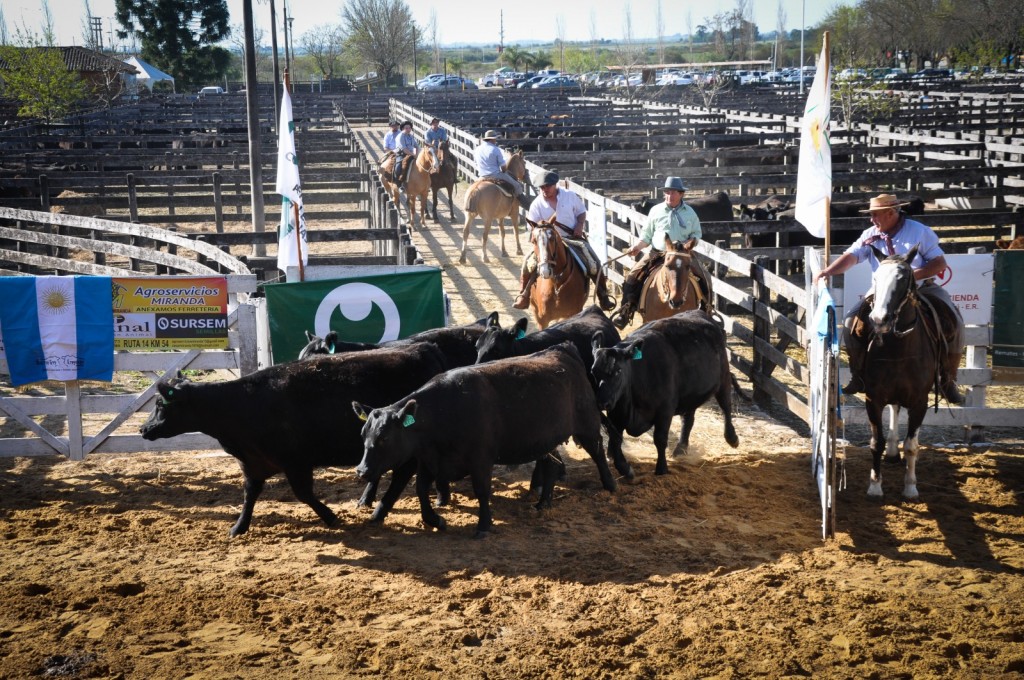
(491, 134)
(883, 202)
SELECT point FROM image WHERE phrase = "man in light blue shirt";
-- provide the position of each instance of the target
(670, 220)
(406, 151)
(435, 134)
(491, 164)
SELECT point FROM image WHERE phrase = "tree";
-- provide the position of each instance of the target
(179, 36)
(34, 73)
(324, 44)
(263, 61)
(380, 33)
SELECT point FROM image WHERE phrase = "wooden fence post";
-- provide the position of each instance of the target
(762, 328)
(218, 203)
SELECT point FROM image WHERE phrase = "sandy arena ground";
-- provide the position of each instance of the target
(121, 566)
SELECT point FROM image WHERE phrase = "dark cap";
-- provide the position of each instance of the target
(408, 122)
(543, 179)
(393, 123)
(434, 120)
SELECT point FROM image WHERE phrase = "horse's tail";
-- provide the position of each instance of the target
(471, 194)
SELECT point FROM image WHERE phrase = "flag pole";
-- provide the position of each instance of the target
(295, 206)
(828, 199)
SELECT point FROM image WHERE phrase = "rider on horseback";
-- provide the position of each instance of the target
(435, 134)
(406, 152)
(670, 220)
(490, 162)
(568, 209)
(899, 235)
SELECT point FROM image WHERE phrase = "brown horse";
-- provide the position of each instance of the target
(417, 186)
(671, 287)
(490, 202)
(444, 178)
(901, 364)
(561, 287)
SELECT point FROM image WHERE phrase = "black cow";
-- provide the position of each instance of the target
(765, 210)
(457, 343)
(295, 416)
(713, 208)
(466, 421)
(666, 367)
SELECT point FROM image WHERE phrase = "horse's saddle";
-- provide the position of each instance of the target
(586, 259)
(504, 186)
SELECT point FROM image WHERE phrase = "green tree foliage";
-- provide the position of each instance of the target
(380, 32)
(34, 73)
(179, 36)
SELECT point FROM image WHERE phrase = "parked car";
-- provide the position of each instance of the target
(514, 79)
(369, 75)
(555, 81)
(496, 78)
(675, 79)
(896, 74)
(427, 79)
(530, 82)
(213, 89)
(932, 74)
(450, 83)
(852, 74)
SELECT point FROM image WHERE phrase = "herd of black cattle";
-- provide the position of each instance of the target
(454, 402)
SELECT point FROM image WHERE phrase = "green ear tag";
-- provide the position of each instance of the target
(330, 350)
(361, 416)
(170, 393)
(520, 334)
(637, 355)
(408, 420)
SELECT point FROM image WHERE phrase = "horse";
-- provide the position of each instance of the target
(901, 363)
(671, 287)
(416, 186)
(490, 202)
(562, 284)
(444, 178)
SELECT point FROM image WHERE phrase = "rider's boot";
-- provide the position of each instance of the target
(855, 355)
(949, 388)
(624, 314)
(604, 300)
(523, 298)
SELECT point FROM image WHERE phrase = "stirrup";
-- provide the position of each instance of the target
(855, 385)
(951, 393)
(522, 301)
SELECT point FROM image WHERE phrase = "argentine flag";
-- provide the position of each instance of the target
(57, 327)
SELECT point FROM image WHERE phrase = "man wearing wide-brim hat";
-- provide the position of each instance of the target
(491, 162)
(672, 221)
(894, 233)
(407, 150)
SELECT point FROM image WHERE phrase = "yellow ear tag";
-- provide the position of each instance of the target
(361, 416)
(637, 355)
(408, 420)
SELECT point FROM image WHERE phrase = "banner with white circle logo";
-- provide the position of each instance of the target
(373, 309)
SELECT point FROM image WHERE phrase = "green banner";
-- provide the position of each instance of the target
(360, 308)
(1008, 310)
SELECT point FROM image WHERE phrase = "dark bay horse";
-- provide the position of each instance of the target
(445, 178)
(561, 287)
(492, 202)
(671, 287)
(901, 364)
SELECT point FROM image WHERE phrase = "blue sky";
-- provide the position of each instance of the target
(464, 21)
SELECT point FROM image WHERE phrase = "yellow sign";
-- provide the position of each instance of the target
(162, 313)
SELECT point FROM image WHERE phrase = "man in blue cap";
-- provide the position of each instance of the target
(671, 220)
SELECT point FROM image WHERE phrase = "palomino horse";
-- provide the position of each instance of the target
(561, 286)
(671, 287)
(417, 186)
(491, 202)
(901, 364)
(444, 178)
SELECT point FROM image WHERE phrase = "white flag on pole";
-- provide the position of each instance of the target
(814, 175)
(291, 191)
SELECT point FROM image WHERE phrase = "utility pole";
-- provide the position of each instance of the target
(96, 27)
(252, 109)
(277, 67)
(415, 73)
(803, 27)
(501, 32)
(291, 38)
(287, 61)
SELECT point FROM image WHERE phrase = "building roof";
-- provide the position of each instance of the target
(84, 60)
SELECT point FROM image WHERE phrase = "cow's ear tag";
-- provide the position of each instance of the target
(408, 420)
(520, 334)
(170, 393)
(330, 350)
(362, 416)
(637, 355)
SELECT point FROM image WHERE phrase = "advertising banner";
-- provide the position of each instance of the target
(372, 308)
(161, 314)
(1008, 327)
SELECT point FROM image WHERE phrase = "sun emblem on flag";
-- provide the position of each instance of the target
(55, 299)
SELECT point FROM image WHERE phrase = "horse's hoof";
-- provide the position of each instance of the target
(462, 259)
